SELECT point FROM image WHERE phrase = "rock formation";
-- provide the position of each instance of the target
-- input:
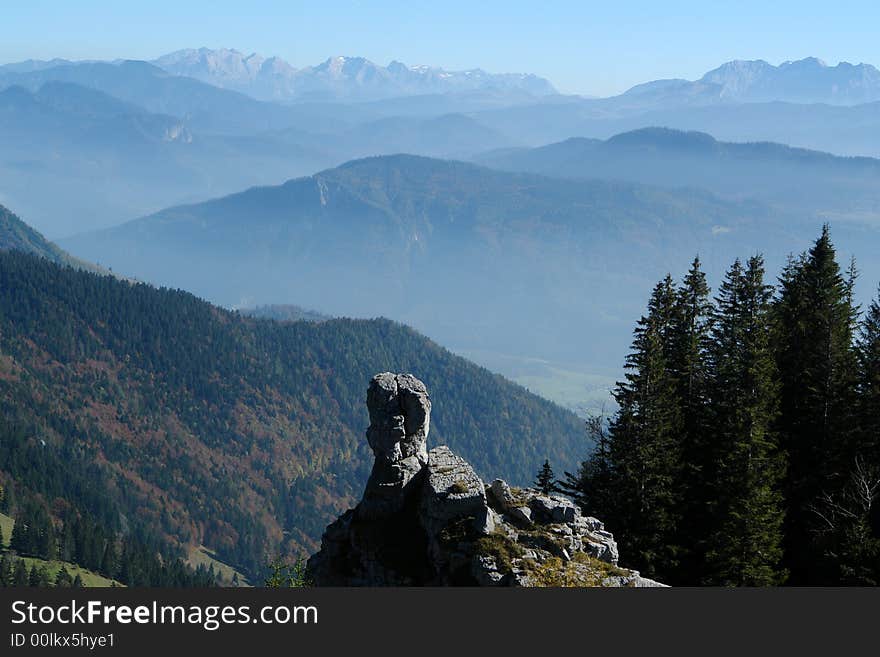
(426, 518)
(400, 413)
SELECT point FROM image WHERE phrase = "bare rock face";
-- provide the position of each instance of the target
(451, 490)
(400, 417)
(427, 518)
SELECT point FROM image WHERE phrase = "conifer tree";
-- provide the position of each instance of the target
(20, 574)
(643, 443)
(849, 515)
(19, 539)
(110, 561)
(690, 342)
(815, 319)
(34, 576)
(745, 543)
(63, 578)
(869, 384)
(545, 480)
(591, 485)
(5, 570)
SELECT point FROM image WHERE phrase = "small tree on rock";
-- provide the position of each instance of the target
(546, 480)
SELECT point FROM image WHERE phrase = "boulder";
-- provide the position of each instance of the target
(451, 490)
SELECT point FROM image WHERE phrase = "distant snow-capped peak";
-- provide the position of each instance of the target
(338, 77)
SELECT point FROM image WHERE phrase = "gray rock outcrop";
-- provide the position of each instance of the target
(427, 518)
(400, 417)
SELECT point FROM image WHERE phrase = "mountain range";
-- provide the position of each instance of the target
(814, 183)
(466, 252)
(92, 144)
(337, 78)
(807, 80)
(74, 156)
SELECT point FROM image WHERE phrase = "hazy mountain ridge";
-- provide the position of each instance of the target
(78, 157)
(807, 80)
(336, 78)
(75, 156)
(471, 251)
(16, 235)
(817, 184)
(99, 143)
(842, 130)
(205, 107)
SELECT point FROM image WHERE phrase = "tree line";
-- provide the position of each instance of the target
(745, 450)
(14, 572)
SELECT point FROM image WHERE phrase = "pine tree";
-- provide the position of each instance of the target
(63, 578)
(591, 485)
(78, 582)
(34, 577)
(691, 337)
(545, 480)
(869, 384)
(690, 341)
(5, 570)
(20, 574)
(19, 541)
(744, 499)
(849, 516)
(643, 444)
(110, 561)
(815, 320)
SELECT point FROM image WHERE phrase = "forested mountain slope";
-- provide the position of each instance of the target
(205, 427)
(479, 260)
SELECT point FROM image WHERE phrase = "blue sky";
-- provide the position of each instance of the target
(583, 47)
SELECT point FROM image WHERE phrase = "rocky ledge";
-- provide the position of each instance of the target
(427, 519)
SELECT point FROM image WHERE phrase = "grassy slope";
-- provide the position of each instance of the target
(201, 555)
(6, 524)
(89, 578)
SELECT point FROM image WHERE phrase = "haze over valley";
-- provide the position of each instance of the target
(91, 147)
